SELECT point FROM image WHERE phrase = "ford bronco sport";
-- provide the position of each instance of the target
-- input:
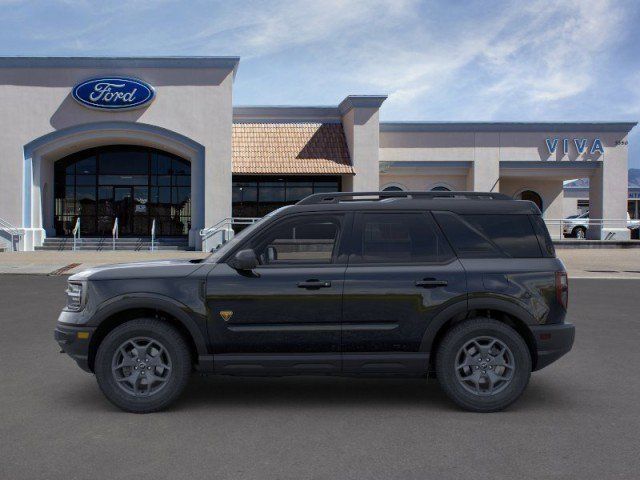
(462, 285)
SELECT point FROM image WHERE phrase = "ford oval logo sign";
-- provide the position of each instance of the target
(113, 93)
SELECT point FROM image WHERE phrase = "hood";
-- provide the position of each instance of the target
(150, 269)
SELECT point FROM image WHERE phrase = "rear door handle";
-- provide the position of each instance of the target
(314, 284)
(430, 283)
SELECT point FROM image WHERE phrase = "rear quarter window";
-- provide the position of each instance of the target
(513, 234)
(490, 235)
(544, 239)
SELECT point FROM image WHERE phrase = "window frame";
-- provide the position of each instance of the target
(357, 232)
(338, 257)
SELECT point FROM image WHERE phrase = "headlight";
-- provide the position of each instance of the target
(75, 297)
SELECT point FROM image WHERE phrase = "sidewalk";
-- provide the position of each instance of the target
(587, 263)
(46, 262)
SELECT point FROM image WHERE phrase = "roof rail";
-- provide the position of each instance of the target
(336, 197)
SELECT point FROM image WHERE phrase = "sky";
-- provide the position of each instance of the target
(436, 60)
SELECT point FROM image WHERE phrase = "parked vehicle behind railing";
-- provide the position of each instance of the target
(578, 226)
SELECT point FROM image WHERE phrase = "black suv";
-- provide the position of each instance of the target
(462, 285)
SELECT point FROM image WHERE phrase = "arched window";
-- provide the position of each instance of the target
(440, 188)
(531, 196)
(133, 184)
(393, 188)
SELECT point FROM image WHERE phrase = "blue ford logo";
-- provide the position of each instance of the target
(113, 93)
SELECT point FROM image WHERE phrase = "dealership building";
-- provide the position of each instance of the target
(157, 142)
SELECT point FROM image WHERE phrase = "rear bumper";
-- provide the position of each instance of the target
(552, 342)
(74, 345)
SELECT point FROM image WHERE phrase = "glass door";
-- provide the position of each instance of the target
(123, 208)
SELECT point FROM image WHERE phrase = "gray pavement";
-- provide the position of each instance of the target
(579, 418)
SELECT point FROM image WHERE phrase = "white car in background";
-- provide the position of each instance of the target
(576, 226)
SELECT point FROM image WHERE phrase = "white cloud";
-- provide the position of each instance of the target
(534, 54)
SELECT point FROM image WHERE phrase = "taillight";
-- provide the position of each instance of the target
(562, 289)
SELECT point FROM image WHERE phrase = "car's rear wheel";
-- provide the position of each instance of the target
(143, 365)
(580, 232)
(483, 365)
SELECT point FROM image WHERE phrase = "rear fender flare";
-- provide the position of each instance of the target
(460, 309)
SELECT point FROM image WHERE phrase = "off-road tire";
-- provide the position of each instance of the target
(448, 354)
(178, 375)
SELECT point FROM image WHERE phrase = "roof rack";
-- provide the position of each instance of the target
(337, 197)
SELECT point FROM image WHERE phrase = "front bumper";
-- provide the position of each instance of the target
(74, 341)
(552, 342)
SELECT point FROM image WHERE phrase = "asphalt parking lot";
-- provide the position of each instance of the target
(580, 418)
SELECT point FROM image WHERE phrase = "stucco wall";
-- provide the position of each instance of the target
(193, 102)
(570, 201)
(423, 182)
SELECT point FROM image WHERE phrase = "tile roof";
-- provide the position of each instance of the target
(290, 148)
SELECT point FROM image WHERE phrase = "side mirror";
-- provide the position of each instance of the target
(244, 260)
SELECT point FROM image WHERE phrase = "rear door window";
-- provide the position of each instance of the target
(399, 238)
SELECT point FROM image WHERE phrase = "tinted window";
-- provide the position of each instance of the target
(466, 240)
(543, 235)
(257, 196)
(305, 239)
(482, 236)
(399, 238)
(513, 234)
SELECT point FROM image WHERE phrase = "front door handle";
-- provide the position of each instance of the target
(314, 284)
(430, 283)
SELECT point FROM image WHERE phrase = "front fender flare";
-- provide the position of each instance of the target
(131, 301)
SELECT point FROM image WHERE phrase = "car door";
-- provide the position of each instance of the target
(285, 315)
(402, 272)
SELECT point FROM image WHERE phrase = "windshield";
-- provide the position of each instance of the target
(231, 244)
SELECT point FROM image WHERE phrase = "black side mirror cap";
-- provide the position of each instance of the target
(245, 260)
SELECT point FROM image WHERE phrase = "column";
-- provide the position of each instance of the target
(608, 198)
(361, 124)
(484, 175)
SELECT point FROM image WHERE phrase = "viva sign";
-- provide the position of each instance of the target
(113, 93)
(581, 144)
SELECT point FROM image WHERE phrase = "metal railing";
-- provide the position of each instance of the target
(153, 236)
(13, 232)
(220, 233)
(611, 228)
(76, 234)
(114, 234)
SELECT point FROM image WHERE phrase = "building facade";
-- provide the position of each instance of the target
(157, 141)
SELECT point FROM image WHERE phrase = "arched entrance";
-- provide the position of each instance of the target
(134, 184)
(394, 187)
(41, 154)
(531, 196)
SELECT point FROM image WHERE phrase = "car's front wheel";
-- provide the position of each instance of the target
(143, 365)
(483, 365)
